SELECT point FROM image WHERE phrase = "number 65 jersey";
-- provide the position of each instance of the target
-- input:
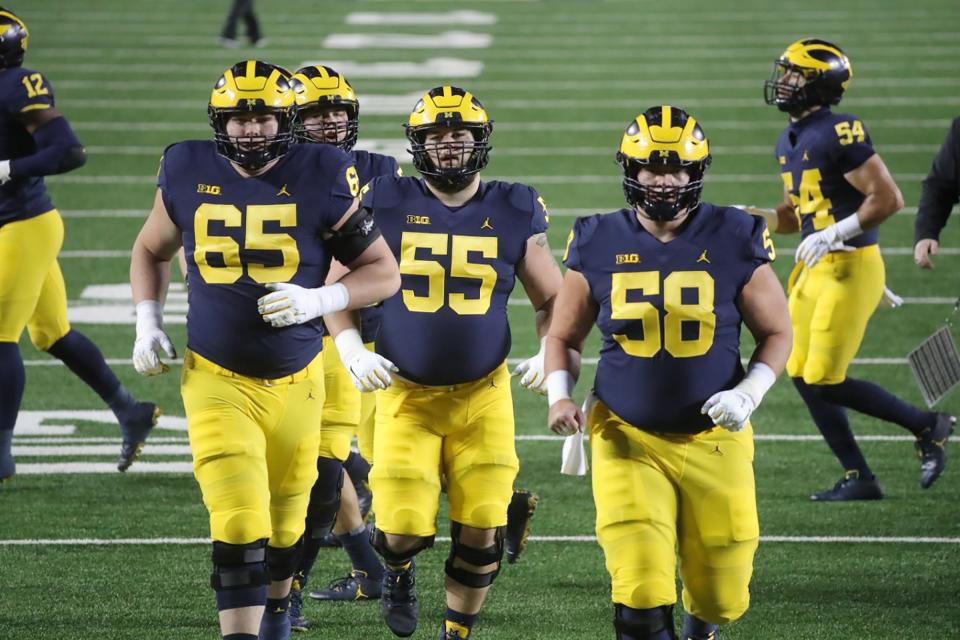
(668, 312)
(448, 323)
(242, 233)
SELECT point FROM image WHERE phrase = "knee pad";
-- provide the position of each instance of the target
(282, 562)
(476, 557)
(644, 624)
(324, 498)
(379, 542)
(239, 566)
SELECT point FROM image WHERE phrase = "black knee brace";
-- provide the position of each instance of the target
(239, 566)
(639, 624)
(379, 542)
(324, 498)
(476, 557)
(282, 562)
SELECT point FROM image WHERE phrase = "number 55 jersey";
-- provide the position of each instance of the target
(667, 311)
(448, 323)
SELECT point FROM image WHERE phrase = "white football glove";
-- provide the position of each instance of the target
(291, 304)
(531, 372)
(729, 409)
(369, 371)
(890, 299)
(819, 244)
(151, 340)
(4, 171)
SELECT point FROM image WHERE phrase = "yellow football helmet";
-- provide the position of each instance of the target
(252, 86)
(317, 87)
(453, 108)
(665, 136)
(823, 68)
(13, 39)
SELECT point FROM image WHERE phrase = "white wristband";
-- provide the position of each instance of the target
(349, 344)
(149, 316)
(559, 386)
(848, 228)
(757, 382)
(4, 171)
(332, 298)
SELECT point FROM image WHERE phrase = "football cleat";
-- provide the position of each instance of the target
(520, 512)
(135, 425)
(297, 621)
(354, 586)
(398, 600)
(458, 632)
(851, 487)
(7, 467)
(932, 450)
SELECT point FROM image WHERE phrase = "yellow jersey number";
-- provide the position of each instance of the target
(847, 132)
(34, 85)
(459, 247)
(809, 199)
(677, 312)
(254, 238)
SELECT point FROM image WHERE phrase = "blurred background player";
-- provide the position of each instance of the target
(328, 113)
(259, 219)
(669, 281)
(241, 9)
(36, 141)
(461, 244)
(941, 190)
(837, 191)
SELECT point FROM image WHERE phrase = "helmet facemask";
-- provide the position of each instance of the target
(662, 203)
(792, 89)
(342, 135)
(251, 152)
(458, 160)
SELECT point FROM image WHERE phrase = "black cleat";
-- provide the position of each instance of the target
(355, 586)
(931, 448)
(851, 487)
(398, 600)
(135, 425)
(453, 634)
(523, 505)
(8, 467)
(295, 612)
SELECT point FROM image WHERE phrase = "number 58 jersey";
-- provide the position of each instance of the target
(448, 323)
(668, 312)
(241, 233)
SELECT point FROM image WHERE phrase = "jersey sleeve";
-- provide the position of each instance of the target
(851, 143)
(540, 219)
(758, 249)
(31, 93)
(368, 193)
(167, 163)
(572, 256)
(344, 188)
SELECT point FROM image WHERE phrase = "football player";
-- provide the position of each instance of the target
(259, 219)
(837, 191)
(669, 281)
(461, 244)
(328, 113)
(36, 141)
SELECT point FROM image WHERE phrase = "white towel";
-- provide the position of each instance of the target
(574, 458)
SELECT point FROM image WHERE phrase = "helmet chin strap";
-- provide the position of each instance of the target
(449, 184)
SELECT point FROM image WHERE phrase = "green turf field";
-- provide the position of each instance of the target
(561, 79)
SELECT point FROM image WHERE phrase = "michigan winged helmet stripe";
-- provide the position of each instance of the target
(14, 37)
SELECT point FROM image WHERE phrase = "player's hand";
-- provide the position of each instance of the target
(151, 340)
(4, 171)
(922, 252)
(819, 244)
(565, 417)
(291, 304)
(890, 299)
(531, 372)
(729, 409)
(370, 371)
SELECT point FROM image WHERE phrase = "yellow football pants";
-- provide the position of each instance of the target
(32, 291)
(467, 430)
(659, 493)
(830, 306)
(254, 445)
(341, 408)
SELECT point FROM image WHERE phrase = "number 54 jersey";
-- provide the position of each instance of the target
(668, 311)
(242, 233)
(448, 323)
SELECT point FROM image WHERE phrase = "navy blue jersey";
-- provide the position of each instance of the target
(369, 166)
(21, 91)
(448, 323)
(814, 154)
(668, 311)
(241, 233)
